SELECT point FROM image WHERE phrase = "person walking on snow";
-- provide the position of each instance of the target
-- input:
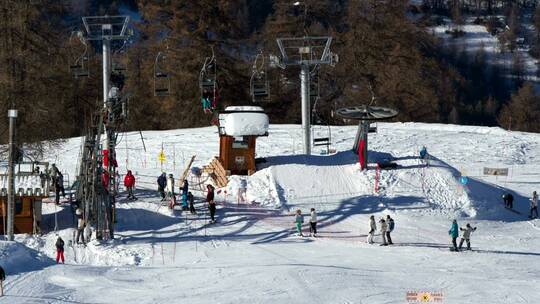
(170, 191)
(162, 183)
(313, 223)
(59, 250)
(191, 205)
(129, 183)
(384, 230)
(454, 232)
(298, 221)
(185, 187)
(466, 236)
(534, 205)
(80, 226)
(372, 229)
(211, 203)
(390, 222)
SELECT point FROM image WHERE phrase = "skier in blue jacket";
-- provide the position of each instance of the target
(454, 233)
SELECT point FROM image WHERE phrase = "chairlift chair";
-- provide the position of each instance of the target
(259, 85)
(322, 135)
(208, 83)
(162, 80)
(79, 68)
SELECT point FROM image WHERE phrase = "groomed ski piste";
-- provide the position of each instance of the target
(252, 254)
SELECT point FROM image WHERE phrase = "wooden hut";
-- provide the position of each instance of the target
(239, 128)
(31, 188)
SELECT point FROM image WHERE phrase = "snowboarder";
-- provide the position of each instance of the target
(129, 183)
(508, 199)
(313, 223)
(384, 230)
(59, 250)
(170, 191)
(2, 279)
(454, 232)
(466, 236)
(242, 189)
(372, 229)
(190, 201)
(424, 155)
(534, 205)
(298, 221)
(390, 222)
(80, 226)
(162, 183)
(211, 202)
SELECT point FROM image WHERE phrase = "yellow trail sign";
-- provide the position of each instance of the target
(162, 157)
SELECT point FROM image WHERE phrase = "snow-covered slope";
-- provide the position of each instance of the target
(251, 254)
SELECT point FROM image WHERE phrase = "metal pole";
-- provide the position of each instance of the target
(306, 123)
(12, 114)
(106, 73)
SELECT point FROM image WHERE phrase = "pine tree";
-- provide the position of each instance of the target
(523, 111)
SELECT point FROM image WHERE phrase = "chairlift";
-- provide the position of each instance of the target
(208, 84)
(79, 68)
(314, 84)
(322, 134)
(259, 85)
(162, 80)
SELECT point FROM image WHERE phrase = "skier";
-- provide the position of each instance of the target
(80, 226)
(313, 223)
(508, 199)
(453, 232)
(372, 229)
(57, 189)
(162, 183)
(242, 189)
(299, 220)
(59, 250)
(211, 202)
(424, 155)
(2, 279)
(129, 183)
(206, 102)
(384, 229)
(390, 222)
(191, 205)
(184, 201)
(534, 205)
(170, 191)
(53, 173)
(466, 236)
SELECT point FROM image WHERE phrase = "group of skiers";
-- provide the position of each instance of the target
(387, 226)
(299, 220)
(508, 199)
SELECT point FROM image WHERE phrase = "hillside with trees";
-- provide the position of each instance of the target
(385, 49)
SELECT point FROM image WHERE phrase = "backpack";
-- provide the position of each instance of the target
(391, 224)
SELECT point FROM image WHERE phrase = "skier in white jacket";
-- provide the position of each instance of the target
(313, 223)
(384, 229)
(466, 236)
(170, 191)
(372, 229)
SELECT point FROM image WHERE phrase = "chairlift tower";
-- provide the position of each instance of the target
(99, 204)
(305, 52)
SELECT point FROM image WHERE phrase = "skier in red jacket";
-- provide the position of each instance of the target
(129, 183)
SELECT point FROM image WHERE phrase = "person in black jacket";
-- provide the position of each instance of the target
(59, 250)
(211, 203)
(508, 200)
(2, 278)
(191, 203)
(162, 183)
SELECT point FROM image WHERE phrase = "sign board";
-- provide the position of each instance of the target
(496, 171)
(162, 157)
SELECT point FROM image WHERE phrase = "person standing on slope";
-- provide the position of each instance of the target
(185, 187)
(211, 203)
(466, 236)
(384, 230)
(298, 221)
(59, 250)
(534, 205)
(170, 191)
(129, 183)
(454, 232)
(372, 229)
(191, 203)
(162, 184)
(313, 223)
(508, 199)
(390, 222)
(80, 226)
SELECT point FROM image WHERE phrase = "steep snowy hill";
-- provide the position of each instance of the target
(252, 255)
